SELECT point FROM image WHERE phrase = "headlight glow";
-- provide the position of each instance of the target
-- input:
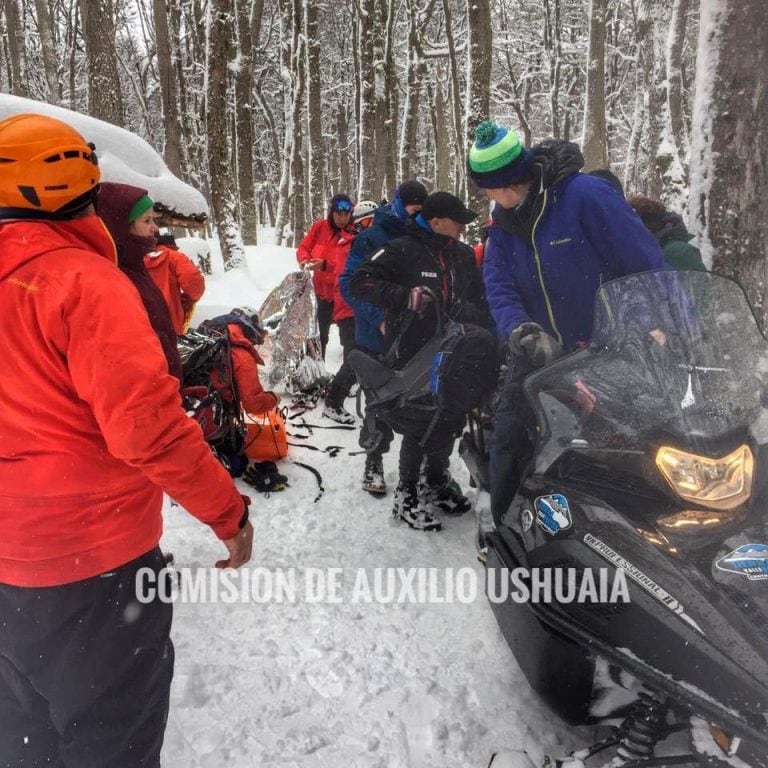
(716, 483)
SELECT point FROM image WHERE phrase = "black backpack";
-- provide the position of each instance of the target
(465, 369)
(203, 352)
(447, 378)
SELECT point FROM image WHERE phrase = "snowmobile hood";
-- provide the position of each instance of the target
(23, 241)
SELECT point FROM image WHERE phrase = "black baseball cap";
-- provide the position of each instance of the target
(444, 205)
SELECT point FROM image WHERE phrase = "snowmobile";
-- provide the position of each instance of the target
(650, 466)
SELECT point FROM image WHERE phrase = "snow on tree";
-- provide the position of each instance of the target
(729, 163)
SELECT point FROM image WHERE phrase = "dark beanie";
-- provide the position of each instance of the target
(412, 192)
(498, 158)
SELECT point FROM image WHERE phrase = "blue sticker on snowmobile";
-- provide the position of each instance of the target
(750, 560)
(553, 513)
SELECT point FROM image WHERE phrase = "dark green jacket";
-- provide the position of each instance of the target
(674, 240)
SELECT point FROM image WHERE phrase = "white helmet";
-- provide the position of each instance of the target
(363, 210)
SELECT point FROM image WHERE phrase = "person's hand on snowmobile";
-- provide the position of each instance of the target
(419, 298)
(240, 547)
(532, 341)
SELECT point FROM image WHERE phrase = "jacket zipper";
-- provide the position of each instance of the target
(536, 258)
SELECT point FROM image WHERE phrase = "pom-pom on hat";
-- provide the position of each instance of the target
(498, 158)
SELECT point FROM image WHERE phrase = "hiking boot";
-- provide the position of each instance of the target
(338, 414)
(444, 498)
(373, 476)
(409, 508)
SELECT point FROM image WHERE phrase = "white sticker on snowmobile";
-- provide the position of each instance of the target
(553, 513)
(750, 560)
(646, 582)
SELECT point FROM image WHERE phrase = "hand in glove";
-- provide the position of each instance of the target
(419, 299)
(532, 341)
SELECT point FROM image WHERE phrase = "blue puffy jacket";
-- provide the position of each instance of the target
(547, 268)
(387, 225)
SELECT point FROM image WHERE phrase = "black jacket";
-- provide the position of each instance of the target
(421, 257)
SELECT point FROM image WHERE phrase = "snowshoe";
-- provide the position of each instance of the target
(444, 498)
(339, 414)
(373, 476)
(509, 758)
(264, 477)
(410, 509)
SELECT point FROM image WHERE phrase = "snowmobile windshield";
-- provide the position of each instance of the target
(674, 355)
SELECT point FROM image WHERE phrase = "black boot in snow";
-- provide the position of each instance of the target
(409, 508)
(373, 476)
(444, 497)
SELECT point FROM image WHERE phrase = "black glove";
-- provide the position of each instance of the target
(531, 340)
(419, 299)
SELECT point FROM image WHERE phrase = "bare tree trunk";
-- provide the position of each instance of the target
(675, 41)
(314, 110)
(244, 125)
(553, 47)
(443, 153)
(48, 48)
(478, 92)
(297, 187)
(414, 79)
(386, 101)
(105, 99)
(18, 74)
(595, 146)
(288, 33)
(168, 97)
(366, 146)
(342, 132)
(730, 144)
(224, 203)
(454, 103)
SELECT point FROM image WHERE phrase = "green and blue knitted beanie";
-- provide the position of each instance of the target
(498, 158)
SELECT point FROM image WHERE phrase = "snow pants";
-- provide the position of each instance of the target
(434, 455)
(324, 320)
(342, 382)
(511, 445)
(85, 673)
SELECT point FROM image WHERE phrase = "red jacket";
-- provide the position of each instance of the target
(323, 242)
(341, 310)
(179, 280)
(245, 368)
(91, 426)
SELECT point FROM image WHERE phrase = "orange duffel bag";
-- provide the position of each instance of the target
(267, 439)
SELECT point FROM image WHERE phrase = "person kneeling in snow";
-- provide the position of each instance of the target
(245, 332)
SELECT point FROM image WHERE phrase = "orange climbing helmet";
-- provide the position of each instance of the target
(47, 169)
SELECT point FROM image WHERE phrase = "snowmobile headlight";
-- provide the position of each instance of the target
(716, 483)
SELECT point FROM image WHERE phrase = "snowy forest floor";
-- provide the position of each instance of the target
(349, 683)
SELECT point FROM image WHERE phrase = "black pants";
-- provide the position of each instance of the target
(324, 320)
(511, 443)
(342, 382)
(85, 673)
(435, 454)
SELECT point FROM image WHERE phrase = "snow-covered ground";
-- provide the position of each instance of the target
(303, 683)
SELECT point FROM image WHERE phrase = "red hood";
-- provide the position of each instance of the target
(156, 257)
(25, 240)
